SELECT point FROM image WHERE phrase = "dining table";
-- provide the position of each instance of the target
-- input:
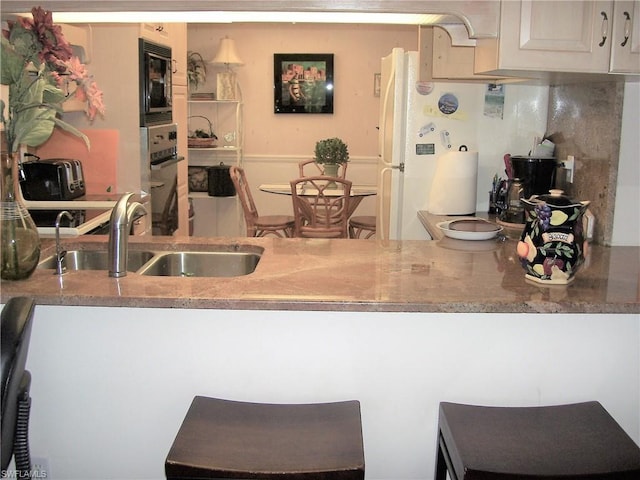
(358, 192)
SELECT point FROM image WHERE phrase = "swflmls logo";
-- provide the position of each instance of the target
(19, 474)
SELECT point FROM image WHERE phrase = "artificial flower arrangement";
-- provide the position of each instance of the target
(37, 64)
(196, 69)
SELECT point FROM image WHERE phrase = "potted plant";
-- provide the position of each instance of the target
(38, 67)
(331, 153)
(196, 69)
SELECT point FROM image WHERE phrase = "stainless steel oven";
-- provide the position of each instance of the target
(160, 159)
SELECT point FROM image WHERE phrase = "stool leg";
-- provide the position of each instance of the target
(441, 467)
(443, 462)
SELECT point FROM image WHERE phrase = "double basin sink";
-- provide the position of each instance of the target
(221, 263)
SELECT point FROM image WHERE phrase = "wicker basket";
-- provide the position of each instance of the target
(200, 142)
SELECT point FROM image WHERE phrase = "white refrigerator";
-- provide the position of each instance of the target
(420, 121)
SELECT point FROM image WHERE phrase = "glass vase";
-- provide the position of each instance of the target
(19, 239)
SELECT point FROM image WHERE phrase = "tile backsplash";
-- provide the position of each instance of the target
(585, 120)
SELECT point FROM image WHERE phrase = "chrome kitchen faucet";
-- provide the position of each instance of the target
(119, 226)
(60, 254)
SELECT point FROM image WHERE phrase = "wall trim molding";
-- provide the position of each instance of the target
(295, 159)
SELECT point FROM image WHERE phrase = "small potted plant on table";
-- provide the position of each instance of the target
(331, 153)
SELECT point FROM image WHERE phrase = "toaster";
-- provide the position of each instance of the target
(52, 179)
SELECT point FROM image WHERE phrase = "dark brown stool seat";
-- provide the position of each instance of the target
(577, 442)
(225, 439)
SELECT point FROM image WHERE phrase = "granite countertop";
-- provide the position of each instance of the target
(349, 275)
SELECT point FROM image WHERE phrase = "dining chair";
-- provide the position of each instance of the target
(321, 206)
(311, 167)
(362, 225)
(258, 226)
(166, 222)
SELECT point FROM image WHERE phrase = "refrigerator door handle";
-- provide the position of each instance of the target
(382, 218)
(385, 105)
(387, 167)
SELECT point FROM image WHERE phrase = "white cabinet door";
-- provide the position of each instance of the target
(178, 37)
(156, 32)
(569, 36)
(180, 113)
(625, 40)
(440, 59)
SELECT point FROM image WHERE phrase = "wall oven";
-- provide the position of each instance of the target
(159, 146)
(155, 83)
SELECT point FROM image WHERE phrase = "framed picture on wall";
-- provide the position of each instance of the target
(303, 82)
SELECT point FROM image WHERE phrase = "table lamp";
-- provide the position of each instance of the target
(227, 82)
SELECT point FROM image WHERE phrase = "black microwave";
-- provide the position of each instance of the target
(155, 83)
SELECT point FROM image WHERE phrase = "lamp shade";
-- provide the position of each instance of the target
(227, 54)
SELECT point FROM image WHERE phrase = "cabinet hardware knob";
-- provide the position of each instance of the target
(605, 28)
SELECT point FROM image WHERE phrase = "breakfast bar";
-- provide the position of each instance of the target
(347, 275)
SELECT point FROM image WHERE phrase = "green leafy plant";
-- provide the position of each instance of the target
(196, 69)
(37, 64)
(331, 150)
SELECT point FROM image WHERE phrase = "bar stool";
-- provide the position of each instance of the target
(572, 442)
(362, 224)
(223, 439)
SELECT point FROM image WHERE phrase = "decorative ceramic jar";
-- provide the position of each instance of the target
(552, 246)
(19, 239)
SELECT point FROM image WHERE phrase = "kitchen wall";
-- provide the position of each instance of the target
(626, 223)
(357, 52)
(114, 65)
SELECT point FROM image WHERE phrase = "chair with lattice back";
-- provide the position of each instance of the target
(166, 222)
(321, 206)
(257, 225)
(362, 226)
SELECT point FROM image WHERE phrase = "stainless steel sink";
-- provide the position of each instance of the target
(201, 264)
(96, 260)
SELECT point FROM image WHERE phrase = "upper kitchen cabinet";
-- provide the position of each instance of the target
(441, 60)
(568, 36)
(178, 38)
(156, 32)
(625, 40)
